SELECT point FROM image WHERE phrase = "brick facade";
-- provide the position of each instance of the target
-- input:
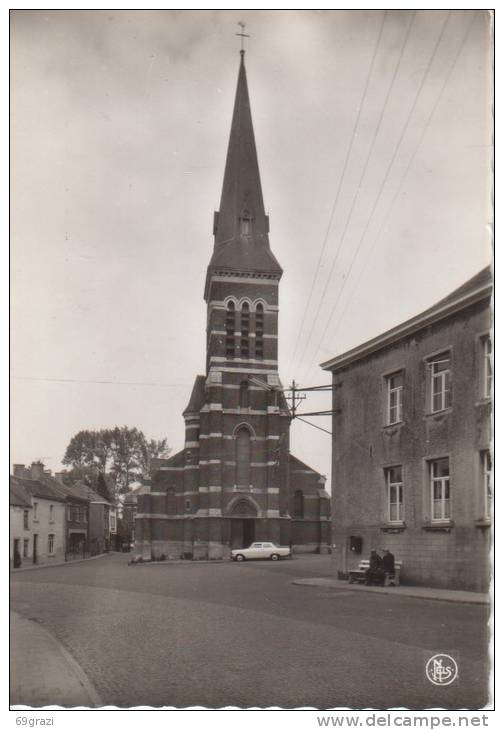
(235, 480)
(445, 550)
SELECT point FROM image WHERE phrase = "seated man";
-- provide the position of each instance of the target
(374, 574)
(388, 563)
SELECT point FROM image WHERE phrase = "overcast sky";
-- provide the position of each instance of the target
(120, 124)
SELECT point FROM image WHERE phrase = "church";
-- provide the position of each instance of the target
(235, 481)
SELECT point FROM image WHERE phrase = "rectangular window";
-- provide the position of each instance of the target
(188, 505)
(25, 548)
(486, 463)
(84, 514)
(51, 513)
(440, 490)
(487, 367)
(25, 519)
(35, 511)
(76, 513)
(440, 383)
(50, 544)
(69, 512)
(395, 387)
(395, 494)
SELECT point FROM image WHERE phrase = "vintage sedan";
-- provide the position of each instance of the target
(261, 550)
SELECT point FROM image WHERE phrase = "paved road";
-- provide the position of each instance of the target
(243, 635)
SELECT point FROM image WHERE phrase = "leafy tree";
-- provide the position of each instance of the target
(111, 460)
(102, 487)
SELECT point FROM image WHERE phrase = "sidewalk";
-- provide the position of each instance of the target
(43, 672)
(58, 564)
(431, 594)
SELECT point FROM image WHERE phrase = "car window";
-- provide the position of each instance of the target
(256, 545)
(268, 544)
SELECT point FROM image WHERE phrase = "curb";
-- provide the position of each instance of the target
(19, 571)
(476, 601)
(75, 669)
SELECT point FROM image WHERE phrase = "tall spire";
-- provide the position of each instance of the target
(241, 226)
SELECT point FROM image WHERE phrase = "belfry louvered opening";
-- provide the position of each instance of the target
(230, 330)
(245, 331)
(259, 332)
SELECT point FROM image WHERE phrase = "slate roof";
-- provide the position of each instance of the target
(298, 464)
(197, 399)
(242, 195)
(68, 491)
(19, 496)
(177, 459)
(90, 495)
(38, 488)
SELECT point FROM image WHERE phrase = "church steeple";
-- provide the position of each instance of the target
(241, 225)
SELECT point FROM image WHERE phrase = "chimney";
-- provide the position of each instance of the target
(19, 470)
(60, 476)
(37, 470)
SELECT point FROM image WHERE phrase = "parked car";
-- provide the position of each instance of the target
(261, 550)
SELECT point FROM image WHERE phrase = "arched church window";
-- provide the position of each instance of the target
(243, 451)
(244, 394)
(259, 331)
(230, 330)
(171, 504)
(245, 330)
(298, 510)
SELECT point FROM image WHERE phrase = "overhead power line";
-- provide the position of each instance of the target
(364, 170)
(387, 172)
(407, 169)
(340, 184)
(101, 382)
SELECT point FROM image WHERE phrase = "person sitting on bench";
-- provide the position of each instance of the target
(388, 563)
(375, 573)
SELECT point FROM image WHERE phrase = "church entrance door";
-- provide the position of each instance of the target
(242, 533)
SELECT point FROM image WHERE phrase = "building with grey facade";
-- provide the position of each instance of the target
(412, 451)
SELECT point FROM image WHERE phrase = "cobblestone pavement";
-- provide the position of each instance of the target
(243, 635)
(43, 672)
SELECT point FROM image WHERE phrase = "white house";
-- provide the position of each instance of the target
(37, 518)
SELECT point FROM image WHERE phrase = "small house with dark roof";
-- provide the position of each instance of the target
(412, 449)
(235, 481)
(100, 524)
(20, 511)
(41, 537)
(77, 519)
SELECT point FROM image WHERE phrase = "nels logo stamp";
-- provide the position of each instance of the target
(441, 669)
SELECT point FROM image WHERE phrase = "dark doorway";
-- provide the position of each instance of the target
(35, 545)
(242, 533)
(17, 554)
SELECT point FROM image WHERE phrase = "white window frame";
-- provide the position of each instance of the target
(393, 393)
(444, 501)
(399, 489)
(26, 547)
(486, 461)
(50, 543)
(487, 367)
(444, 377)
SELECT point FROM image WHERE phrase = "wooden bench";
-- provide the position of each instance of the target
(358, 575)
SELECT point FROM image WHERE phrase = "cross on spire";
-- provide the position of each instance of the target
(242, 35)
